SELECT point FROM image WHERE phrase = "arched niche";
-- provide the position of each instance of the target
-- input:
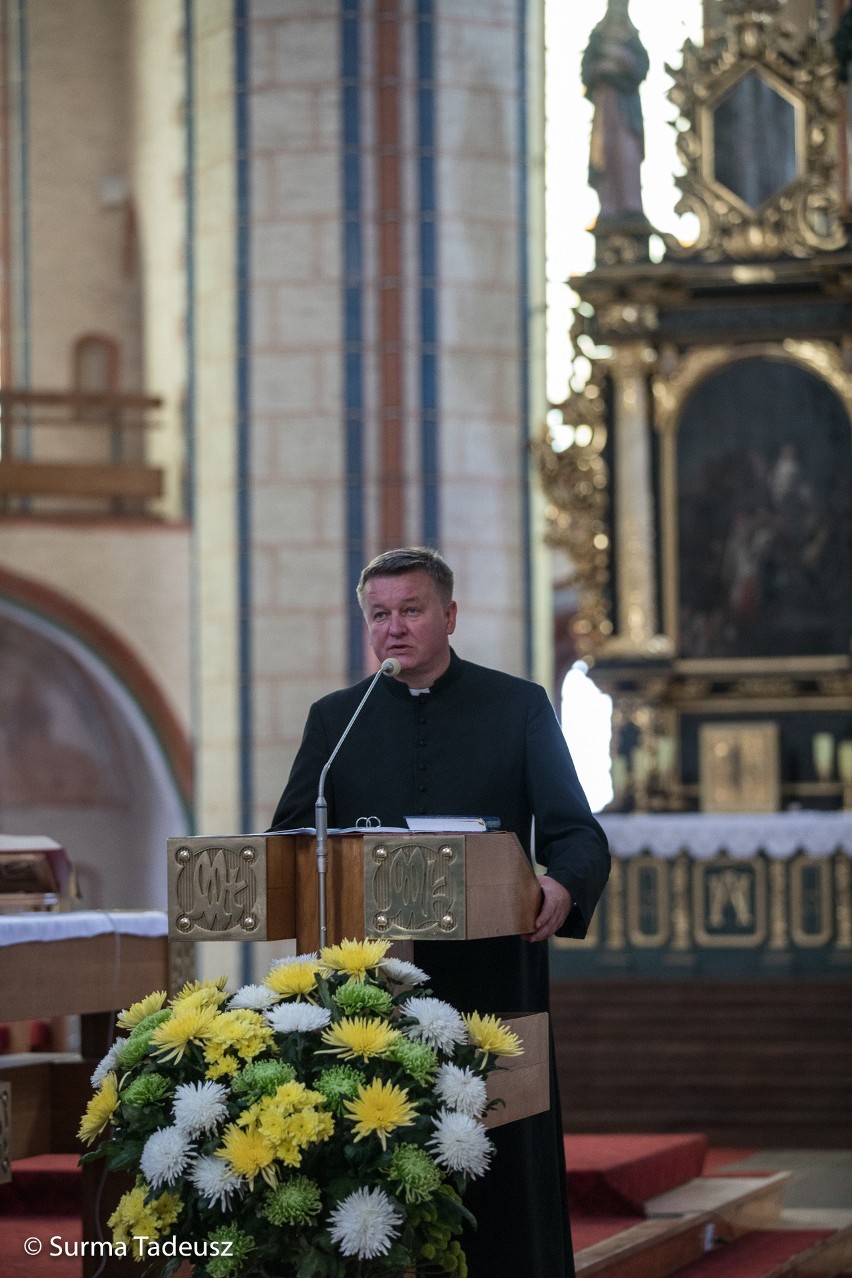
(81, 762)
(763, 475)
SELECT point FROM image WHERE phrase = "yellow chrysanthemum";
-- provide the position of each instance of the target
(201, 994)
(289, 1133)
(360, 1036)
(221, 1064)
(188, 1024)
(138, 1011)
(379, 1108)
(248, 1153)
(294, 980)
(134, 1219)
(355, 958)
(293, 1096)
(99, 1110)
(241, 1032)
(492, 1036)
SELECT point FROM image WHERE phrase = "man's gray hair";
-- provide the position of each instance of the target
(393, 563)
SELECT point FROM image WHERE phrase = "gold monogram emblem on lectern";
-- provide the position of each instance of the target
(414, 889)
(216, 888)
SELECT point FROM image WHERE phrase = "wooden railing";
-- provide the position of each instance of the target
(68, 451)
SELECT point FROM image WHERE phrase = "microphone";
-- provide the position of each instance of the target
(391, 667)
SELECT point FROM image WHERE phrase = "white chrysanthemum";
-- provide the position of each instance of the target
(365, 1224)
(294, 958)
(164, 1157)
(461, 1089)
(296, 1018)
(200, 1107)
(108, 1063)
(438, 1024)
(401, 972)
(254, 997)
(215, 1181)
(460, 1144)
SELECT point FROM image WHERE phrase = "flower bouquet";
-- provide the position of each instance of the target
(322, 1124)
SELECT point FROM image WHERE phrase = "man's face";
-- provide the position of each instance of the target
(407, 619)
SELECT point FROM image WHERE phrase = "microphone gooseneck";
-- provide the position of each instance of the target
(390, 667)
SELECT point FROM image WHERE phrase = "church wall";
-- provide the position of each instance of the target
(105, 569)
(387, 375)
(80, 760)
(215, 651)
(158, 122)
(297, 525)
(480, 159)
(75, 206)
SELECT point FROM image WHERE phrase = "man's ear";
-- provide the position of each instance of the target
(451, 616)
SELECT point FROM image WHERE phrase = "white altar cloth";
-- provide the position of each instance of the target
(18, 929)
(740, 834)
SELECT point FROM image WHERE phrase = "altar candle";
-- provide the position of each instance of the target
(844, 760)
(666, 755)
(823, 752)
(640, 761)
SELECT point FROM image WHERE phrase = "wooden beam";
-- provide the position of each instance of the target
(57, 479)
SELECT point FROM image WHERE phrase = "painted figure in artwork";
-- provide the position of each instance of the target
(614, 65)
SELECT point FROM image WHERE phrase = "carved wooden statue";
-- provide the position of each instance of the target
(614, 65)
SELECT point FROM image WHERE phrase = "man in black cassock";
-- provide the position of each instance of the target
(446, 737)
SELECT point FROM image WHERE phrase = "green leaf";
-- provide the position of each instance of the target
(125, 1157)
(92, 1155)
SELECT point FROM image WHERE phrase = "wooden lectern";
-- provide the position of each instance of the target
(399, 886)
(387, 884)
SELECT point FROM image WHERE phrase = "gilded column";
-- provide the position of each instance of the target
(634, 507)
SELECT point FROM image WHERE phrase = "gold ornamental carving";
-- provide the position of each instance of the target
(672, 390)
(414, 890)
(215, 888)
(575, 480)
(811, 921)
(843, 899)
(756, 65)
(615, 921)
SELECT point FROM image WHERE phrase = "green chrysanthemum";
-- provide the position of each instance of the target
(338, 1084)
(295, 1202)
(357, 999)
(151, 1022)
(418, 1060)
(241, 1245)
(148, 1089)
(414, 1172)
(262, 1078)
(133, 1050)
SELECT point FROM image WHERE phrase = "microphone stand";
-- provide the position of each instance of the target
(389, 667)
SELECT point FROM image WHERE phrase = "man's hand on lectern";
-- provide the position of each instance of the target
(555, 908)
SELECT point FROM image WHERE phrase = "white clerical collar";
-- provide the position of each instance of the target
(419, 692)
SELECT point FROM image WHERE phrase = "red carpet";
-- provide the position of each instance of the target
(43, 1202)
(45, 1186)
(14, 1261)
(588, 1229)
(611, 1175)
(754, 1255)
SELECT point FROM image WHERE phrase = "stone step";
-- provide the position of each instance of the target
(804, 1244)
(682, 1225)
